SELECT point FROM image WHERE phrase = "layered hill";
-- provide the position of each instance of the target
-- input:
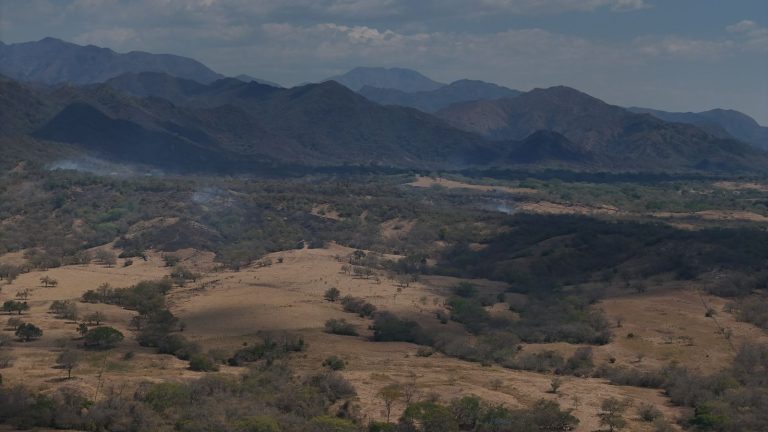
(719, 122)
(230, 124)
(435, 100)
(52, 61)
(620, 138)
(235, 126)
(405, 80)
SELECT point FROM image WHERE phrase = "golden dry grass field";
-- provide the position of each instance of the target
(226, 308)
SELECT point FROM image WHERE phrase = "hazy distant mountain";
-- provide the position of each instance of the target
(720, 122)
(405, 80)
(612, 134)
(52, 61)
(435, 100)
(248, 78)
(233, 126)
(247, 125)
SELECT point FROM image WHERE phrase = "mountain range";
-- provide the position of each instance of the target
(719, 122)
(617, 137)
(205, 123)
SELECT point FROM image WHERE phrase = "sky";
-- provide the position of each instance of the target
(678, 55)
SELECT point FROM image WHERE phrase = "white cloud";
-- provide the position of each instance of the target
(753, 36)
(559, 6)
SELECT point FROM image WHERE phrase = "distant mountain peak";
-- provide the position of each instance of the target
(402, 79)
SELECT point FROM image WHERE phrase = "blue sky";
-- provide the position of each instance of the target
(682, 55)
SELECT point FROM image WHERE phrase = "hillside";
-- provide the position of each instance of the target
(719, 122)
(626, 140)
(435, 100)
(234, 125)
(52, 61)
(405, 80)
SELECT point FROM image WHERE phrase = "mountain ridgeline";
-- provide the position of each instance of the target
(52, 61)
(443, 97)
(718, 122)
(175, 113)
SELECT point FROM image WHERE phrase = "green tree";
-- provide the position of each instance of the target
(103, 338)
(27, 332)
(11, 306)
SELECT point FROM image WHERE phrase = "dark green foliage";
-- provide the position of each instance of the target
(389, 328)
(11, 306)
(465, 289)
(340, 327)
(102, 338)
(202, 363)
(358, 306)
(27, 331)
(271, 348)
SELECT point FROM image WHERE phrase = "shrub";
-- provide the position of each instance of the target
(649, 413)
(340, 327)
(202, 363)
(424, 351)
(358, 306)
(389, 328)
(332, 294)
(334, 363)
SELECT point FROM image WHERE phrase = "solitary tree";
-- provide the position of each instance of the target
(332, 294)
(48, 282)
(612, 414)
(26, 332)
(103, 337)
(390, 394)
(68, 360)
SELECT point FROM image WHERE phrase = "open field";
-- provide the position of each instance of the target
(224, 309)
(426, 182)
